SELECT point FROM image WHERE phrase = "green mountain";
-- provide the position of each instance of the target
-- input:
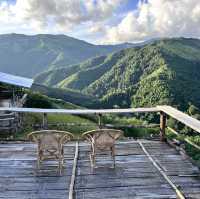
(68, 95)
(29, 55)
(164, 72)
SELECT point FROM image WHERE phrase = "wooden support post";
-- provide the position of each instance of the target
(100, 121)
(21, 117)
(45, 121)
(163, 120)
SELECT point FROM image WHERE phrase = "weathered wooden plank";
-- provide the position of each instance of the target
(47, 194)
(185, 139)
(133, 172)
(126, 192)
(80, 111)
(20, 179)
(181, 117)
(7, 119)
(134, 176)
(179, 193)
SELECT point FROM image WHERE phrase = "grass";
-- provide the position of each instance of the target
(192, 151)
(137, 133)
(132, 131)
(78, 124)
(32, 119)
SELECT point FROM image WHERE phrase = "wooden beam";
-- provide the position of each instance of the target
(100, 120)
(181, 117)
(73, 177)
(45, 121)
(80, 111)
(163, 119)
(185, 139)
(192, 143)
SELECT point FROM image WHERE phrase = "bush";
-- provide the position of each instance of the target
(140, 132)
(37, 100)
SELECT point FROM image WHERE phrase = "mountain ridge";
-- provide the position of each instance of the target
(163, 72)
(29, 55)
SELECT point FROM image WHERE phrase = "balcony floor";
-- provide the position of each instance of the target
(134, 175)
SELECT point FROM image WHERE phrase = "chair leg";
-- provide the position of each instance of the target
(92, 160)
(38, 163)
(61, 159)
(91, 163)
(60, 166)
(62, 153)
(113, 155)
(39, 159)
(92, 157)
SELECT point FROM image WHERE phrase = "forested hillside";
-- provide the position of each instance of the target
(29, 55)
(68, 95)
(165, 72)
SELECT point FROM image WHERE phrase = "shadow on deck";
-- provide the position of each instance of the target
(134, 177)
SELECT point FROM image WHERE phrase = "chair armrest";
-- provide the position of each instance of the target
(66, 137)
(32, 136)
(89, 135)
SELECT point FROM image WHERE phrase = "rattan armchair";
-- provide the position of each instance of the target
(50, 145)
(102, 140)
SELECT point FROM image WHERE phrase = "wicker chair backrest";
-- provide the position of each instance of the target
(50, 140)
(103, 138)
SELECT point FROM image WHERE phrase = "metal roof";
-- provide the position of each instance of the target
(16, 80)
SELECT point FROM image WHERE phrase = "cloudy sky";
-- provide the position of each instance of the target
(102, 21)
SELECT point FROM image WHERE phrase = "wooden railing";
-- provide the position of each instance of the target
(163, 110)
(185, 139)
(97, 112)
(181, 117)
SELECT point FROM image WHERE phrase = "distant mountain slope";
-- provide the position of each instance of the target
(29, 55)
(165, 72)
(68, 95)
(52, 77)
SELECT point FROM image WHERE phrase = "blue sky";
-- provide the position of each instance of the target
(128, 6)
(9, 1)
(102, 21)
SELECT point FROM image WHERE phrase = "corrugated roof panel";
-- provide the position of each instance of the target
(16, 80)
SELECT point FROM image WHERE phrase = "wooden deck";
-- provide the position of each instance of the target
(134, 177)
(19, 178)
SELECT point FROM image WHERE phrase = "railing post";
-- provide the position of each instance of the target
(163, 121)
(45, 121)
(100, 121)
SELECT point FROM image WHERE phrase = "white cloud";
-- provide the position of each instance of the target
(97, 28)
(102, 9)
(157, 18)
(62, 15)
(95, 19)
